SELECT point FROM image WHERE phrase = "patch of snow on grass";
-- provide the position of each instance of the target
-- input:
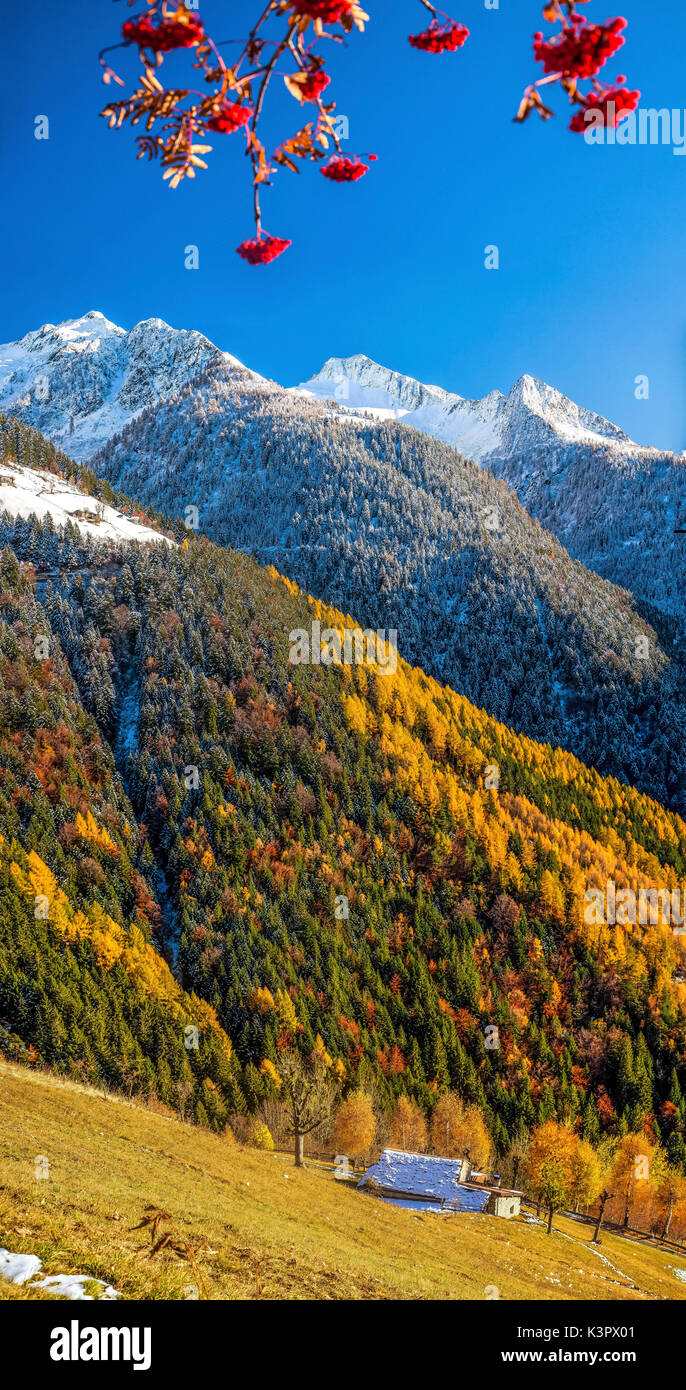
(18, 1268)
(22, 1269)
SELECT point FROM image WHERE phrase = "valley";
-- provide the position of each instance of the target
(240, 795)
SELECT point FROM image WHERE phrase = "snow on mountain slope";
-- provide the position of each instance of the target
(615, 505)
(27, 491)
(360, 385)
(81, 381)
(401, 530)
(529, 416)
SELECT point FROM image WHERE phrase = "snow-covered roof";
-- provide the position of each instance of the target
(417, 1176)
(35, 491)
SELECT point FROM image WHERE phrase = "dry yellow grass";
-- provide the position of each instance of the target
(261, 1228)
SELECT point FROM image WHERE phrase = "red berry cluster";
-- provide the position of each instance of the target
(609, 107)
(165, 36)
(341, 169)
(231, 116)
(440, 38)
(262, 250)
(577, 54)
(580, 50)
(329, 11)
(313, 84)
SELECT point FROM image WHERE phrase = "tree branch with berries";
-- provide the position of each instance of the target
(236, 77)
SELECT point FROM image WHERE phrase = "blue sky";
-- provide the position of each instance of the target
(590, 293)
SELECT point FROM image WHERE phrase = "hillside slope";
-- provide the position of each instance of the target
(399, 529)
(82, 980)
(28, 492)
(260, 1228)
(402, 531)
(617, 506)
(336, 852)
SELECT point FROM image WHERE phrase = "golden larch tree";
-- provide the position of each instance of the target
(408, 1127)
(355, 1127)
(549, 1167)
(459, 1131)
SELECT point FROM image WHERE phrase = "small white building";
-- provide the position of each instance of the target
(504, 1201)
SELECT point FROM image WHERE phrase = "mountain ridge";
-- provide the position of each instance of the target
(386, 522)
(618, 506)
(83, 379)
(94, 334)
(396, 525)
(529, 393)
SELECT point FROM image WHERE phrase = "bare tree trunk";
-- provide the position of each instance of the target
(627, 1205)
(300, 1150)
(604, 1199)
(668, 1222)
(550, 1219)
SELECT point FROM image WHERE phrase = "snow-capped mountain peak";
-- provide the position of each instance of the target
(532, 415)
(560, 413)
(81, 381)
(378, 381)
(77, 335)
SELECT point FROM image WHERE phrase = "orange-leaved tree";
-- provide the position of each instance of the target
(588, 1174)
(408, 1127)
(459, 1131)
(355, 1128)
(549, 1168)
(671, 1194)
(632, 1169)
